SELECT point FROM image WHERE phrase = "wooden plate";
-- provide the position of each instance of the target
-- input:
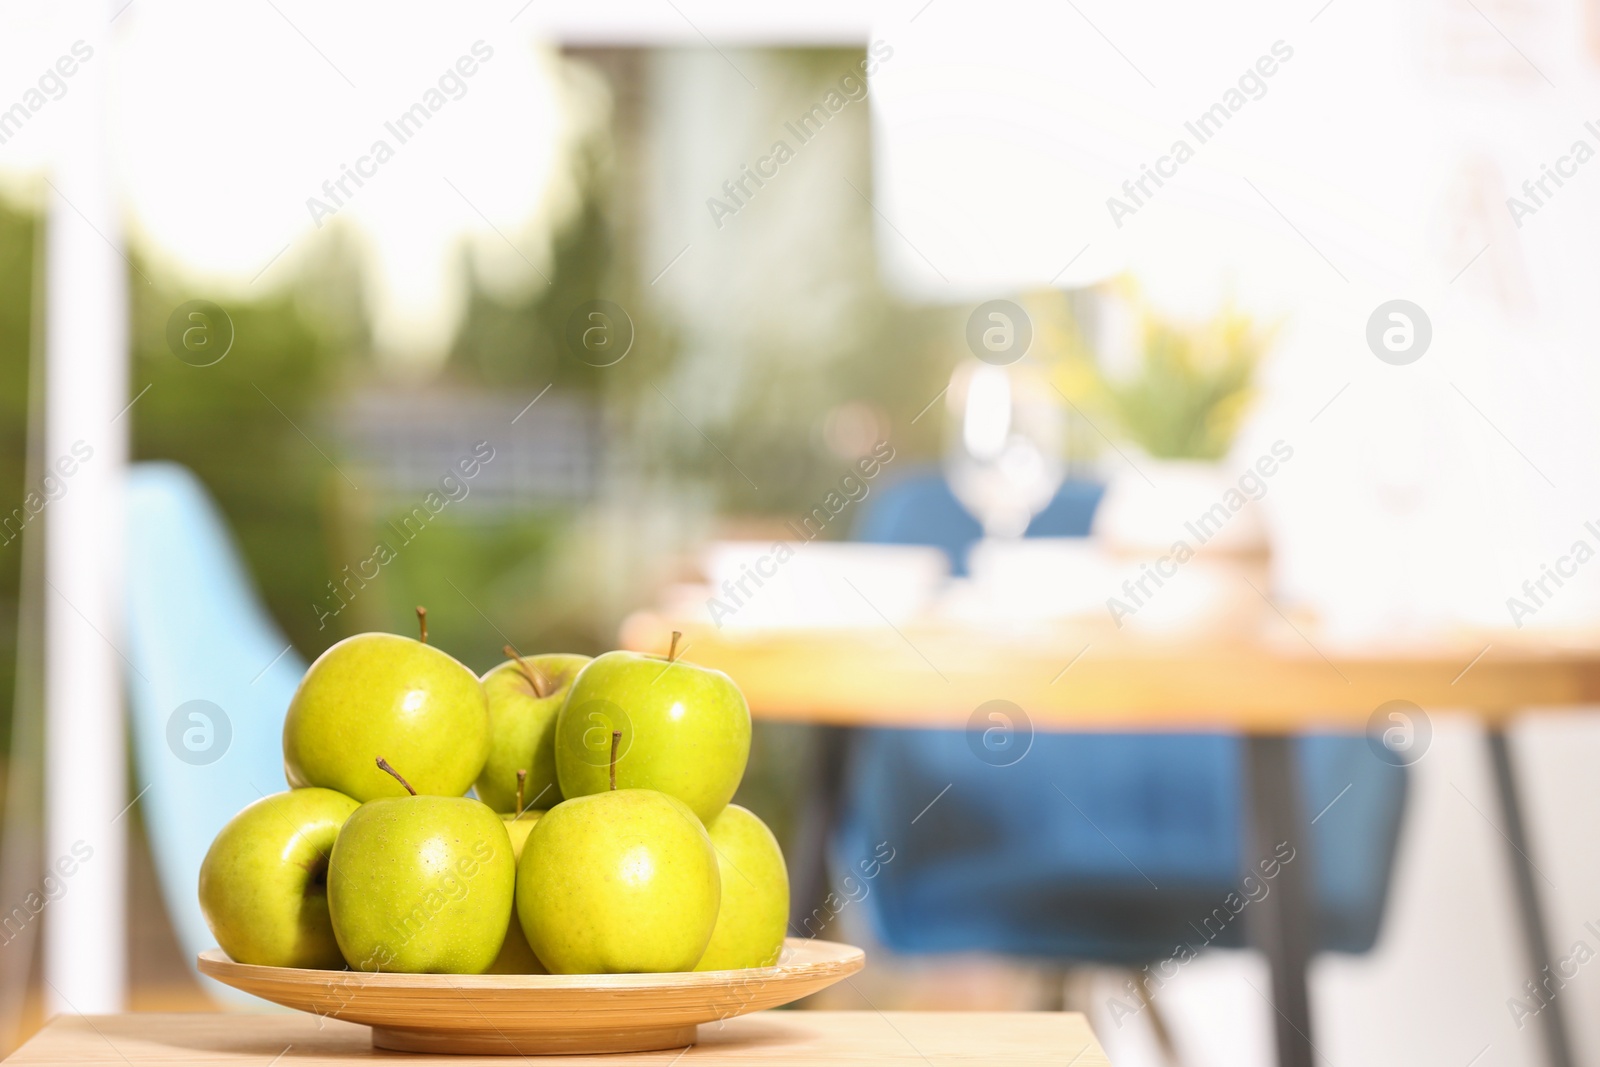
(541, 1014)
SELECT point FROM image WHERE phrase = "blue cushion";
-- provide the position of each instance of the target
(1099, 846)
(1108, 847)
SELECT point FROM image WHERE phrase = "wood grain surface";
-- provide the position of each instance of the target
(767, 1039)
(1281, 678)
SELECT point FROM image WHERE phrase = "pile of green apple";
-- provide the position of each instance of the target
(601, 839)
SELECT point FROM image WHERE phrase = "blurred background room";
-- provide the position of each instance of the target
(1241, 347)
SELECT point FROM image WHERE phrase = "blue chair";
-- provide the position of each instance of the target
(1109, 848)
(209, 682)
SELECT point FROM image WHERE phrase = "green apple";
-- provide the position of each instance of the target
(263, 883)
(618, 883)
(385, 695)
(525, 693)
(515, 955)
(422, 885)
(685, 730)
(755, 893)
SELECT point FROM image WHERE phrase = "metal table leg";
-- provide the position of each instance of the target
(808, 854)
(1529, 910)
(1280, 923)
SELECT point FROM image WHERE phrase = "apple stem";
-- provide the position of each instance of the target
(422, 622)
(535, 678)
(672, 652)
(522, 781)
(616, 739)
(383, 765)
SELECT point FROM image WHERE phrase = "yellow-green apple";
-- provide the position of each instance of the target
(525, 693)
(383, 694)
(515, 955)
(618, 882)
(421, 884)
(755, 893)
(685, 730)
(263, 883)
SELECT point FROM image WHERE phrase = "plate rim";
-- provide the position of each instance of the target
(215, 963)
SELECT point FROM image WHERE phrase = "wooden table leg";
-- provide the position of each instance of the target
(819, 814)
(1530, 911)
(1281, 922)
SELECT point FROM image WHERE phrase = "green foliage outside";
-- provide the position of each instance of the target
(545, 576)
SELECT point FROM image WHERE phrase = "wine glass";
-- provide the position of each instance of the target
(1004, 432)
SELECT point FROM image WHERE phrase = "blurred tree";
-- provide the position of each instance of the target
(753, 332)
(503, 576)
(802, 329)
(249, 426)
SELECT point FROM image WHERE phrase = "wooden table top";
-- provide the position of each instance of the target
(776, 1038)
(1097, 677)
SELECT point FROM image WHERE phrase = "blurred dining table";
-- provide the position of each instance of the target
(1267, 683)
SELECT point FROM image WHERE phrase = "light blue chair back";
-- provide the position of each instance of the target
(197, 632)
